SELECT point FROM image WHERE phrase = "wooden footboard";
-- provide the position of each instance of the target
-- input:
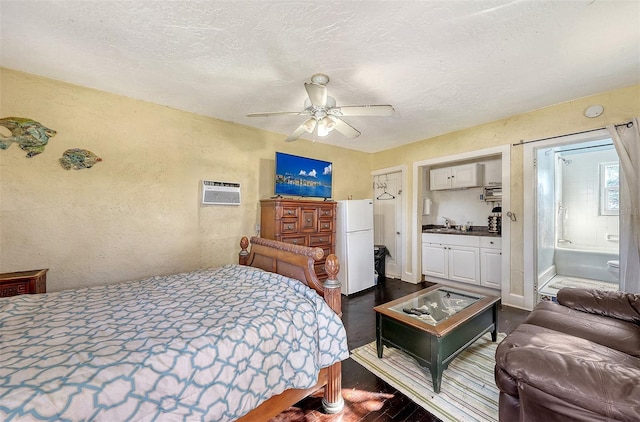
(297, 262)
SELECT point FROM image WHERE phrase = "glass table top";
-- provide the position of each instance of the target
(437, 305)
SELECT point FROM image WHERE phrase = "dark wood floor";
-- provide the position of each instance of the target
(367, 397)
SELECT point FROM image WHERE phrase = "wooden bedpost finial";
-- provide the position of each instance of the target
(244, 254)
(332, 267)
(332, 294)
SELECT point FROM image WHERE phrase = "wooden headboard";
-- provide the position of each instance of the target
(290, 260)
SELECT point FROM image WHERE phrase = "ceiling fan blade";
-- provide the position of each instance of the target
(345, 128)
(317, 94)
(277, 113)
(297, 133)
(364, 110)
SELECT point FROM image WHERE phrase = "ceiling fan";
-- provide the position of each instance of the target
(324, 114)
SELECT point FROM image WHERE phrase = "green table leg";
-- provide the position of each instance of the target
(436, 364)
(494, 333)
(379, 334)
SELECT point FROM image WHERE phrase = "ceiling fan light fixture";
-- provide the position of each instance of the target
(329, 123)
(321, 129)
(310, 125)
(325, 126)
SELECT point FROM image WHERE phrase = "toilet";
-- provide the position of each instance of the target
(613, 267)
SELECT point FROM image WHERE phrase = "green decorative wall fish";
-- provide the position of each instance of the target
(30, 135)
(78, 159)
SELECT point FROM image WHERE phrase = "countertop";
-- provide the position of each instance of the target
(475, 231)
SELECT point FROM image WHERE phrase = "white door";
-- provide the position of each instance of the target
(387, 223)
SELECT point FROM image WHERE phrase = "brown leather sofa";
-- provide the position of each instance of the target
(575, 360)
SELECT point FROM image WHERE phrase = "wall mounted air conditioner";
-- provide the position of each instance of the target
(220, 193)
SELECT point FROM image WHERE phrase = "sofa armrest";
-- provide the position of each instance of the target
(620, 305)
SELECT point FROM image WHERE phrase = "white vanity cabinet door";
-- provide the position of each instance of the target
(434, 260)
(491, 262)
(464, 264)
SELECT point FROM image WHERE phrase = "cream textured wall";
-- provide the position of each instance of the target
(619, 106)
(137, 212)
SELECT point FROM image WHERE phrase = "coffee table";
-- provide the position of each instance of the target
(435, 324)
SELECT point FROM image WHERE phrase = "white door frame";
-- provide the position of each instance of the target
(508, 297)
(530, 211)
(406, 275)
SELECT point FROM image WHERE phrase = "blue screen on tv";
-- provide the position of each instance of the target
(301, 176)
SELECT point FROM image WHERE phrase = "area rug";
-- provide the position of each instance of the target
(468, 391)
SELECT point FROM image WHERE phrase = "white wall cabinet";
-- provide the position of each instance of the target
(491, 262)
(493, 173)
(469, 259)
(440, 179)
(456, 177)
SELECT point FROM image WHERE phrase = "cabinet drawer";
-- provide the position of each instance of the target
(326, 212)
(325, 226)
(289, 226)
(320, 269)
(451, 239)
(296, 240)
(14, 288)
(320, 239)
(491, 242)
(290, 211)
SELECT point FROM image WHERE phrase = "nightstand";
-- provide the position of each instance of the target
(23, 282)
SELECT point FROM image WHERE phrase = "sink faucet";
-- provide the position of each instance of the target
(447, 223)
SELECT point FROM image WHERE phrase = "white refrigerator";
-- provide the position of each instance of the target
(354, 245)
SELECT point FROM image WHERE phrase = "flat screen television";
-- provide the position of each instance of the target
(302, 176)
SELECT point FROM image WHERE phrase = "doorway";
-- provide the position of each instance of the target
(573, 190)
(387, 221)
(511, 292)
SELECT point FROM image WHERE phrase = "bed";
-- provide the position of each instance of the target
(239, 342)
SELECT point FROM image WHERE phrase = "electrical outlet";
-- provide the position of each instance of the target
(258, 229)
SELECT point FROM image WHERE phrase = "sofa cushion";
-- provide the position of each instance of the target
(620, 305)
(582, 373)
(610, 332)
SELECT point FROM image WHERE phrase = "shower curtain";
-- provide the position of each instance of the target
(626, 139)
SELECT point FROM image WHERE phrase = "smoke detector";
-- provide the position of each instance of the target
(593, 111)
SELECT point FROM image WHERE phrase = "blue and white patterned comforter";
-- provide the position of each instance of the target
(204, 345)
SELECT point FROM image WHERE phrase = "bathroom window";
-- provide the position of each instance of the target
(609, 188)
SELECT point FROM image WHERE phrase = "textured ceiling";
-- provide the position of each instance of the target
(443, 65)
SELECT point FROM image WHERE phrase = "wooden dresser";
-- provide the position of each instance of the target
(23, 282)
(301, 222)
